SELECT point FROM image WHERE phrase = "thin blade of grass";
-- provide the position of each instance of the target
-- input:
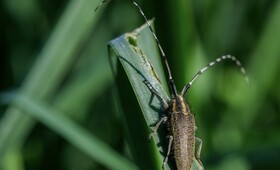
(73, 133)
(50, 68)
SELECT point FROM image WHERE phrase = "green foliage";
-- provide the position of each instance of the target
(67, 113)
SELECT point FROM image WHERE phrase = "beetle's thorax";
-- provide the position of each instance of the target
(179, 105)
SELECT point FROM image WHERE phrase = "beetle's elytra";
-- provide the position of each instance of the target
(182, 129)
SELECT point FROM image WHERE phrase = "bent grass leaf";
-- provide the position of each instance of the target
(140, 61)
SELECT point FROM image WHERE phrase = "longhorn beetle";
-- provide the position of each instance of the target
(177, 112)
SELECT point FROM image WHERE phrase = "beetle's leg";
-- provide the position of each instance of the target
(197, 156)
(163, 119)
(153, 90)
(168, 151)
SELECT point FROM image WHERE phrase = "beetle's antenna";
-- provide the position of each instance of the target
(237, 62)
(171, 81)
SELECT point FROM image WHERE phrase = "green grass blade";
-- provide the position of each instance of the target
(138, 55)
(50, 68)
(74, 133)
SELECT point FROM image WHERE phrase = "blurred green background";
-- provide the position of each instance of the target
(54, 53)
